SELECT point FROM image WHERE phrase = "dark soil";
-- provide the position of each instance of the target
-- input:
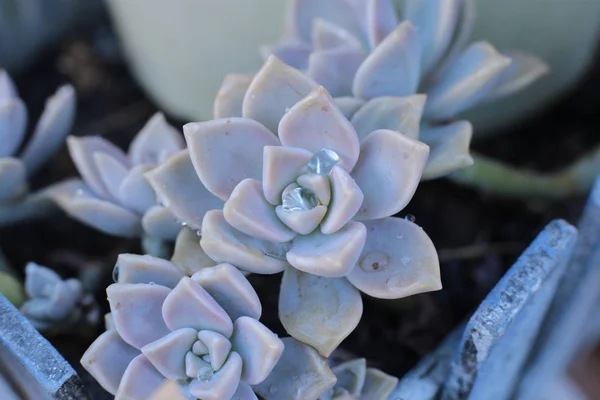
(478, 236)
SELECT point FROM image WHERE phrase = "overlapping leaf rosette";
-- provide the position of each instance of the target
(20, 159)
(374, 60)
(201, 331)
(357, 382)
(309, 197)
(113, 195)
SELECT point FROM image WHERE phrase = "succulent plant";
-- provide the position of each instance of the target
(20, 159)
(309, 197)
(201, 331)
(375, 65)
(55, 305)
(113, 195)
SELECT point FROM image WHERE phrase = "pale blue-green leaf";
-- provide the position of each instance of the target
(159, 222)
(388, 172)
(274, 90)
(463, 32)
(178, 189)
(259, 348)
(335, 69)
(471, 76)
(111, 172)
(40, 281)
(326, 36)
(346, 200)
(167, 354)
(52, 128)
(229, 99)
(8, 91)
(401, 114)
(318, 311)
(392, 68)
(223, 384)
(398, 260)
(449, 146)
(218, 347)
(188, 254)
(300, 374)
(378, 385)
(156, 142)
(350, 377)
(135, 192)
(244, 392)
(281, 166)
(140, 380)
(381, 20)
(348, 105)
(241, 139)
(107, 358)
(302, 222)
(134, 268)
(13, 121)
(13, 178)
(293, 53)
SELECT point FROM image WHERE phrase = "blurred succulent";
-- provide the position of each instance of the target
(55, 305)
(113, 195)
(357, 382)
(294, 196)
(20, 159)
(374, 65)
(202, 332)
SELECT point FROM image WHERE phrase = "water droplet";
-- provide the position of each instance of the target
(374, 261)
(151, 283)
(199, 233)
(322, 162)
(183, 223)
(276, 250)
(300, 199)
(115, 274)
(410, 218)
(287, 110)
(205, 374)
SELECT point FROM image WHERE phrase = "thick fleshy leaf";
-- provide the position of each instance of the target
(401, 114)
(274, 90)
(225, 244)
(140, 380)
(244, 392)
(348, 105)
(347, 199)
(471, 76)
(241, 139)
(135, 192)
(134, 268)
(248, 211)
(378, 385)
(523, 70)
(332, 255)
(159, 222)
(318, 311)
(259, 348)
(155, 142)
(319, 184)
(52, 128)
(304, 13)
(170, 390)
(300, 374)
(294, 53)
(136, 313)
(82, 151)
(111, 172)
(381, 20)
(167, 354)
(223, 383)
(398, 260)
(178, 188)
(74, 197)
(13, 177)
(40, 281)
(449, 149)
(335, 69)
(13, 121)
(388, 172)
(316, 123)
(463, 32)
(393, 68)
(8, 91)
(281, 166)
(190, 306)
(302, 221)
(230, 96)
(107, 359)
(194, 365)
(436, 21)
(326, 36)
(188, 254)
(351, 377)
(218, 347)
(230, 288)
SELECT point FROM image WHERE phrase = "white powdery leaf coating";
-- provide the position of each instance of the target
(318, 311)
(155, 142)
(450, 146)
(167, 353)
(140, 380)
(229, 99)
(398, 260)
(134, 268)
(335, 69)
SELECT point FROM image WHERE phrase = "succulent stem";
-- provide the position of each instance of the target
(495, 177)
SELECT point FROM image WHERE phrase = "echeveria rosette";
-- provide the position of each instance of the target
(313, 200)
(375, 64)
(20, 159)
(113, 195)
(202, 332)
